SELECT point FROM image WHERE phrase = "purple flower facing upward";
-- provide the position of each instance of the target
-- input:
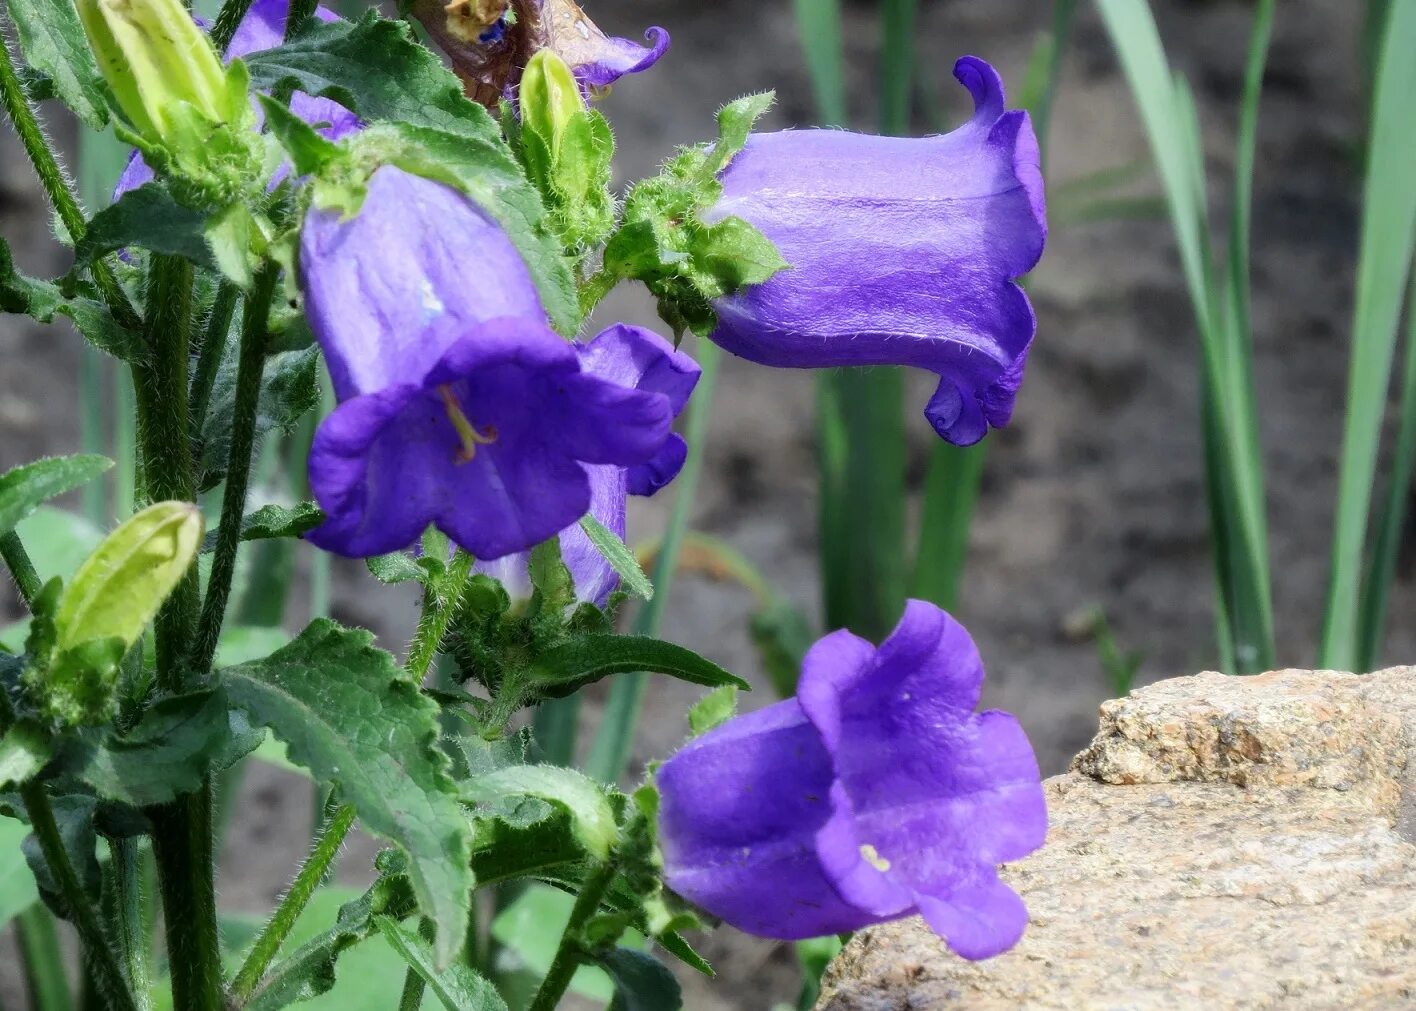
(876, 793)
(902, 252)
(491, 41)
(263, 27)
(459, 406)
(641, 359)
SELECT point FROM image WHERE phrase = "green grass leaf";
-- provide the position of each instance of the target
(349, 714)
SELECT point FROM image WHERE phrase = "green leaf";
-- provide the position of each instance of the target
(617, 553)
(735, 254)
(53, 43)
(148, 217)
(519, 838)
(553, 588)
(24, 488)
(375, 68)
(714, 709)
(228, 235)
(593, 820)
(396, 567)
(458, 987)
(43, 300)
(588, 658)
(273, 521)
(168, 753)
(17, 888)
(483, 167)
(74, 816)
(642, 982)
(289, 390)
(735, 122)
(24, 750)
(349, 714)
(309, 151)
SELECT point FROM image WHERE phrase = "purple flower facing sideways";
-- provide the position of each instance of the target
(459, 406)
(263, 27)
(902, 252)
(641, 359)
(876, 793)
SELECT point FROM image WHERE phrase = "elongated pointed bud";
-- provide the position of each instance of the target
(549, 98)
(106, 607)
(154, 57)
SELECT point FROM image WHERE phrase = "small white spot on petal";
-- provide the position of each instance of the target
(872, 856)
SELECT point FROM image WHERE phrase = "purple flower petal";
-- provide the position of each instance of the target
(263, 27)
(924, 797)
(607, 59)
(902, 252)
(416, 252)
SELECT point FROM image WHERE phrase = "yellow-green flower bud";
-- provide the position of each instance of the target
(156, 59)
(549, 98)
(107, 605)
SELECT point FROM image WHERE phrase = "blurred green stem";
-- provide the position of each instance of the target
(43, 960)
(125, 910)
(568, 952)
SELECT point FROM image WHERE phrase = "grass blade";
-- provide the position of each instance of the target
(819, 26)
(1388, 234)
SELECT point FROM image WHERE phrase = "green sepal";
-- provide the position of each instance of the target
(457, 987)
(310, 153)
(712, 710)
(612, 547)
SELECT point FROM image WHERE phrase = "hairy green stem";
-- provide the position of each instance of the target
(125, 909)
(438, 612)
(43, 960)
(223, 30)
(217, 329)
(98, 955)
(182, 841)
(310, 877)
(238, 465)
(17, 560)
(569, 951)
(413, 983)
(56, 185)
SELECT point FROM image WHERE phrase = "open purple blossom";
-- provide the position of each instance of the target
(876, 793)
(902, 252)
(263, 27)
(459, 406)
(641, 359)
(491, 41)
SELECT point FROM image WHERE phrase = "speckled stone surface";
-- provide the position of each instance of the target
(1223, 843)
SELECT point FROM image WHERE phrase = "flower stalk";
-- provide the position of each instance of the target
(569, 951)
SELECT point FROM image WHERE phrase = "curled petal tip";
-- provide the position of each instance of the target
(984, 84)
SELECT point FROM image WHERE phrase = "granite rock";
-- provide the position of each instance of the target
(1224, 842)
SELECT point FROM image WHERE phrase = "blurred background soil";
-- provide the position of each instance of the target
(1093, 497)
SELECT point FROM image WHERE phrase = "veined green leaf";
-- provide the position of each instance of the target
(585, 659)
(52, 41)
(146, 218)
(24, 488)
(349, 714)
(579, 795)
(272, 521)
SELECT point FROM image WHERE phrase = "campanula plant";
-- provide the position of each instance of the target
(314, 196)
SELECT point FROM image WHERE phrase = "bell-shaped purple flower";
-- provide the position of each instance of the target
(876, 793)
(263, 27)
(491, 41)
(902, 252)
(634, 357)
(459, 406)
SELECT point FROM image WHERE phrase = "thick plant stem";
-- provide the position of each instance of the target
(56, 186)
(125, 909)
(238, 466)
(218, 326)
(311, 876)
(568, 953)
(438, 613)
(17, 560)
(182, 842)
(43, 960)
(98, 956)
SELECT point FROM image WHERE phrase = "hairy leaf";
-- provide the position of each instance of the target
(43, 300)
(588, 658)
(17, 888)
(23, 489)
(714, 709)
(148, 217)
(349, 713)
(642, 982)
(272, 521)
(289, 389)
(617, 553)
(53, 43)
(458, 987)
(580, 796)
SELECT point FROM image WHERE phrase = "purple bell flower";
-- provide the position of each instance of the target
(876, 793)
(489, 51)
(459, 406)
(641, 359)
(263, 27)
(902, 252)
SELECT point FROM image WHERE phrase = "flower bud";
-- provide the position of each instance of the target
(550, 98)
(156, 60)
(105, 608)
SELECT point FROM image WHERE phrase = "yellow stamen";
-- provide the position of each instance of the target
(467, 434)
(872, 856)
